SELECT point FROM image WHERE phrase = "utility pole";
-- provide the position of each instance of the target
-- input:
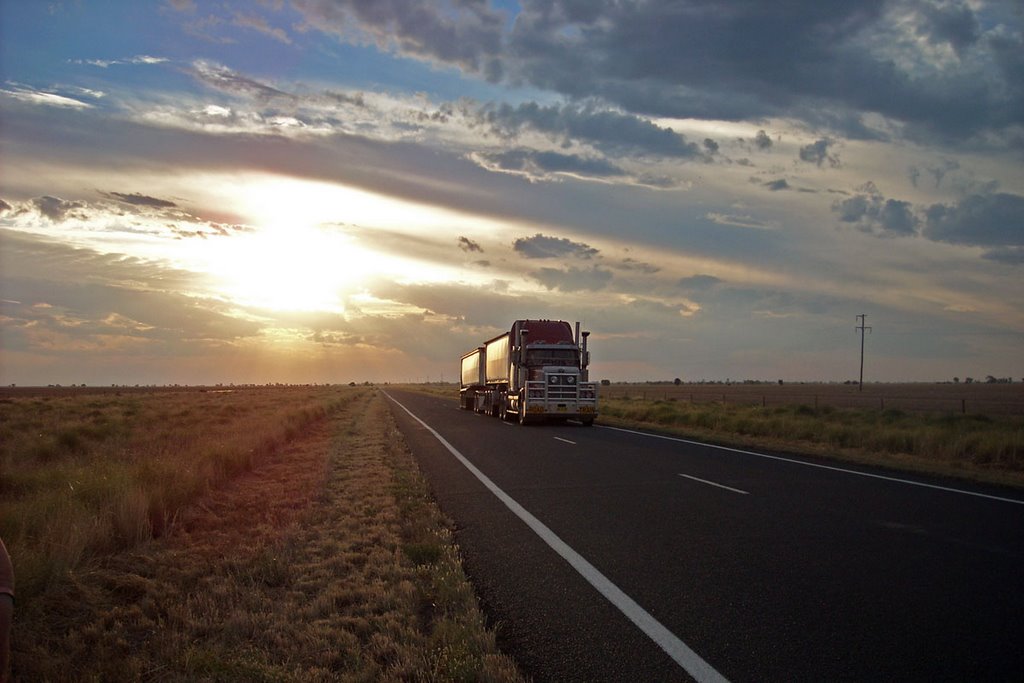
(862, 318)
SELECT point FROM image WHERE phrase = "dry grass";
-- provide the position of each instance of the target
(83, 475)
(979, 447)
(325, 560)
(976, 398)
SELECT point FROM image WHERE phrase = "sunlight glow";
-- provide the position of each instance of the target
(312, 247)
(293, 268)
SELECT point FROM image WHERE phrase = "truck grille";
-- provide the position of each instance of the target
(557, 397)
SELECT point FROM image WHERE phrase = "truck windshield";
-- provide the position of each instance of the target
(544, 357)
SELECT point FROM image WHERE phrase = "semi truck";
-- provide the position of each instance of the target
(536, 371)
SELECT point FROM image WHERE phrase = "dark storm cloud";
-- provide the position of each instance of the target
(137, 199)
(995, 220)
(762, 140)
(614, 133)
(724, 60)
(776, 185)
(742, 60)
(464, 33)
(543, 246)
(872, 213)
(952, 23)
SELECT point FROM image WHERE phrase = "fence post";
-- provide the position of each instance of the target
(763, 402)
(883, 403)
(963, 406)
(815, 402)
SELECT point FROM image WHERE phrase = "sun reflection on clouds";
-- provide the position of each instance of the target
(312, 246)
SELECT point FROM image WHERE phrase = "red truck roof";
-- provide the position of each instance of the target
(546, 331)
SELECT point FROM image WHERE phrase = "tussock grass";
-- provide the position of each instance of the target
(977, 446)
(85, 475)
(326, 560)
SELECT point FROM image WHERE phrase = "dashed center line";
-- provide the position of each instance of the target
(558, 438)
(711, 483)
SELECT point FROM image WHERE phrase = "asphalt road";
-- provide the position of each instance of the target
(759, 567)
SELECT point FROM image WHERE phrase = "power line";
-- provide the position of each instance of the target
(862, 318)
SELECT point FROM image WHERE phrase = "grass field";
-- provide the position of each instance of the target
(976, 398)
(279, 533)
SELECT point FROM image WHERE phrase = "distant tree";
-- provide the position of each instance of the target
(969, 380)
(606, 382)
(990, 379)
(677, 381)
(956, 380)
(780, 382)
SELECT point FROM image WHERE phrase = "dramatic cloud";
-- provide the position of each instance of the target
(872, 213)
(612, 132)
(290, 185)
(467, 34)
(542, 246)
(755, 61)
(995, 221)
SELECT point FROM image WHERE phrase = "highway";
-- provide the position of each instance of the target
(608, 555)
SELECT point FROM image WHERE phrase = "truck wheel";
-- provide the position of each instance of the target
(588, 422)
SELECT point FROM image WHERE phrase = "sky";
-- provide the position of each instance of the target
(352, 190)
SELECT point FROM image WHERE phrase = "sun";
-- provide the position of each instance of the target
(291, 268)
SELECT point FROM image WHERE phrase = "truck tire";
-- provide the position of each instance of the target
(588, 422)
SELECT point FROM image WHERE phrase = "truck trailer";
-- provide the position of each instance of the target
(534, 372)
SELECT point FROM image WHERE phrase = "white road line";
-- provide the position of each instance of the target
(676, 649)
(824, 467)
(711, 483)
(558, 438)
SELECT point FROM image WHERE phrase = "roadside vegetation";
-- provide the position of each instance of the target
(977, 446)
(279, 533)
